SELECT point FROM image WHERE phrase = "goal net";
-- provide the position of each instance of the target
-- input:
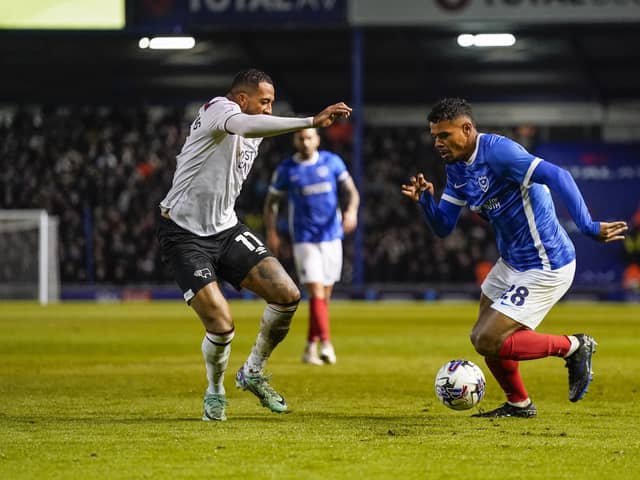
(29, 250)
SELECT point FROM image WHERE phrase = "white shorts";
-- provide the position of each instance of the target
(526, 297)
(318, 262)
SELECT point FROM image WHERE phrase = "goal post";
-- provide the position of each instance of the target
(30, 266)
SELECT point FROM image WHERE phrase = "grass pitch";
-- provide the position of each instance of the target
(114, 391)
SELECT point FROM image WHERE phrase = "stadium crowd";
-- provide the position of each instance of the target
(102, 172)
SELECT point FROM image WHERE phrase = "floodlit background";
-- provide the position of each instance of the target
(92, 114)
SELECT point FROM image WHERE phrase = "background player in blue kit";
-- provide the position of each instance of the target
(497, 178)
(314, 180)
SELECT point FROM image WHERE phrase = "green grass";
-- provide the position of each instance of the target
(101, 391)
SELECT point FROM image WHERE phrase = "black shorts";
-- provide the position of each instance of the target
(197, 261)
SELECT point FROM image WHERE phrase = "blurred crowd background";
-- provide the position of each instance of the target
(93, 112)
(103, 170)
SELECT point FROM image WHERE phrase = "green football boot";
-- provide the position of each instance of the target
(214, 406)
(258, 384)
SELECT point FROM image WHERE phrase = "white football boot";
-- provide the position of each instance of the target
(327, 354)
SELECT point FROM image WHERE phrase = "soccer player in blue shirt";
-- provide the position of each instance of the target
(313, 180)
(497, 178)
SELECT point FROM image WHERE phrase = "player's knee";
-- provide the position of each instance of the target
(294, 295)
(215, 320)
(289, 294)
(486, 345)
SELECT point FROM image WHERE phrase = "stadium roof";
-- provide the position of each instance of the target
(402, 66)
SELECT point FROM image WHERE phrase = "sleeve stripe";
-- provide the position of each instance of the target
(532, 167)
(344, 176)
(454, 200)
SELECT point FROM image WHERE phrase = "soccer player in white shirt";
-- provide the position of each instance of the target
(509, 187)
(203, 241)
(313, 180)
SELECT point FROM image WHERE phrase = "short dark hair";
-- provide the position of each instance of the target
(450, 109)
(249, 78)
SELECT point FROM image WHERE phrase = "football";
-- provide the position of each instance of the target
(460, 384)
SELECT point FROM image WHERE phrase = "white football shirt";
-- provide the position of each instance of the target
(213, 165)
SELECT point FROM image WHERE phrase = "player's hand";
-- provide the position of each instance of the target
(417, 185)
(349, 220)
(331, 114)
(612, 231)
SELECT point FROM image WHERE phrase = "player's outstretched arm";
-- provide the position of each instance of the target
(260, 126)
(330, 114)
(561, 182)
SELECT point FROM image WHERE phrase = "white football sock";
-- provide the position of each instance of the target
(216, 348)
(273, 328)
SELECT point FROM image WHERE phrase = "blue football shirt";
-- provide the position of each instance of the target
(496, 183)
(312, 188)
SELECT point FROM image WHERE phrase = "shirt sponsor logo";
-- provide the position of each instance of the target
(316, 188)
(244, 160)
(491, 204)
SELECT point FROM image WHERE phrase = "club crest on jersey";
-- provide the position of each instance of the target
(322, 171)
(202, 273)
(483, 181)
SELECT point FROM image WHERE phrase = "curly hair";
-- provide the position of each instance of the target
(450, 109)
(249, 78)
